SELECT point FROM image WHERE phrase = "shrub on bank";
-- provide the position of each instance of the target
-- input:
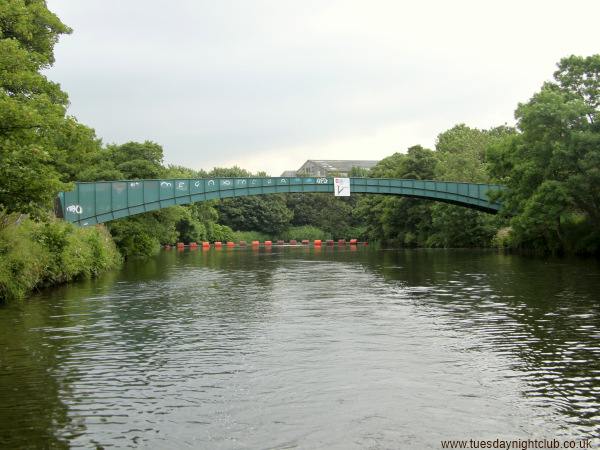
(218, 232)
(38, 254)
(305, 232)
(250, 236)
(22, 260)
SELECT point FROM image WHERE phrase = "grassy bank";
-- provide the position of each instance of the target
(39, 254)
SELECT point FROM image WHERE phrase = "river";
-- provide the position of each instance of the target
(306, 348)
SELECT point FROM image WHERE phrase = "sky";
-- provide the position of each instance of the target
(266, 85)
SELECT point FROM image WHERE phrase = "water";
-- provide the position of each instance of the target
(298, 348)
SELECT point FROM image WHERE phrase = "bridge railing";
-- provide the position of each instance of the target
(102, 201)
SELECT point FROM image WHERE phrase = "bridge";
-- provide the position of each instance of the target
(103, 201)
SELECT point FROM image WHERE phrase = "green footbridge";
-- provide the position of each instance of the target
(103, 201)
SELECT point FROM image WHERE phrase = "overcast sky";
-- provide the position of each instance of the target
(266, 85)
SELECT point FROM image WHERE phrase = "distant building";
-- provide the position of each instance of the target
(323, 168)
(289, 173)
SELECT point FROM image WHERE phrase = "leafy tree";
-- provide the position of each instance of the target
(457, 226)
(462, 154)
(142, 235)
(403, 221)
(31, 106)
(333, 215)
(76, 150)
(268, 214)
(462, 151)
(136, 160)
(34, 27)
(552, 167)
(358, 172)
(173, 171)
(232, 172)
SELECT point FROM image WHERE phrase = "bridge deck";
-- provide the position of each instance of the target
(103, 201)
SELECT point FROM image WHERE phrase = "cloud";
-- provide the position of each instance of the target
(268, 84)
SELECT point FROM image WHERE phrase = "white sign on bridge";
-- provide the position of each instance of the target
(341, 187)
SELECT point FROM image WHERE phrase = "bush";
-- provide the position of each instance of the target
(502, 239)
(37, 254)
(250, 236)
(134, 239)
(305, 232)
(22, 261)
(216, 232)
(104, 252)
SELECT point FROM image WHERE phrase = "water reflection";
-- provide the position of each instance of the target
(544, 312)
(244, 348)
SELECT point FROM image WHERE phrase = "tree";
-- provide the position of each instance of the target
(32, 108)
(137, 160)
(334, 215)
(462, 154)
(552, 167)
(268, 214)
(403, 221)
(173, 171)
(34, 27)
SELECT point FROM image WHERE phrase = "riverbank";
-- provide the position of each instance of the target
(34, 254)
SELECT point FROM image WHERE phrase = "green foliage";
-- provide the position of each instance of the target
(35, 254)
(22, 260)
(134, 237)
(173, 171)
(35, 28)
(132, 160)
(401, 221)
(552, 167)
(250, 236)
(462, 153)
(190, 230)
(137, 160)
(455, 226)
(268, 214)
(32, 108)
(232, 172)
(358, 172)
(334, 215)
(142, 235)
(305, 232)
(462, 150)
(217, 232)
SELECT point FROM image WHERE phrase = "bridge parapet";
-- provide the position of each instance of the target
(103, 201)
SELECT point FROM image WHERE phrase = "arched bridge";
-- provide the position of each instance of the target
(103, 201)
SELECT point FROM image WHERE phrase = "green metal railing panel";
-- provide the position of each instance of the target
(98, 202)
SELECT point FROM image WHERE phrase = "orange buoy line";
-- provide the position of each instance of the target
(280, 243)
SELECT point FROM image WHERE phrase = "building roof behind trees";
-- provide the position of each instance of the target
(322, 167)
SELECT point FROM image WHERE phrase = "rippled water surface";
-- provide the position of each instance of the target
(299, 348)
